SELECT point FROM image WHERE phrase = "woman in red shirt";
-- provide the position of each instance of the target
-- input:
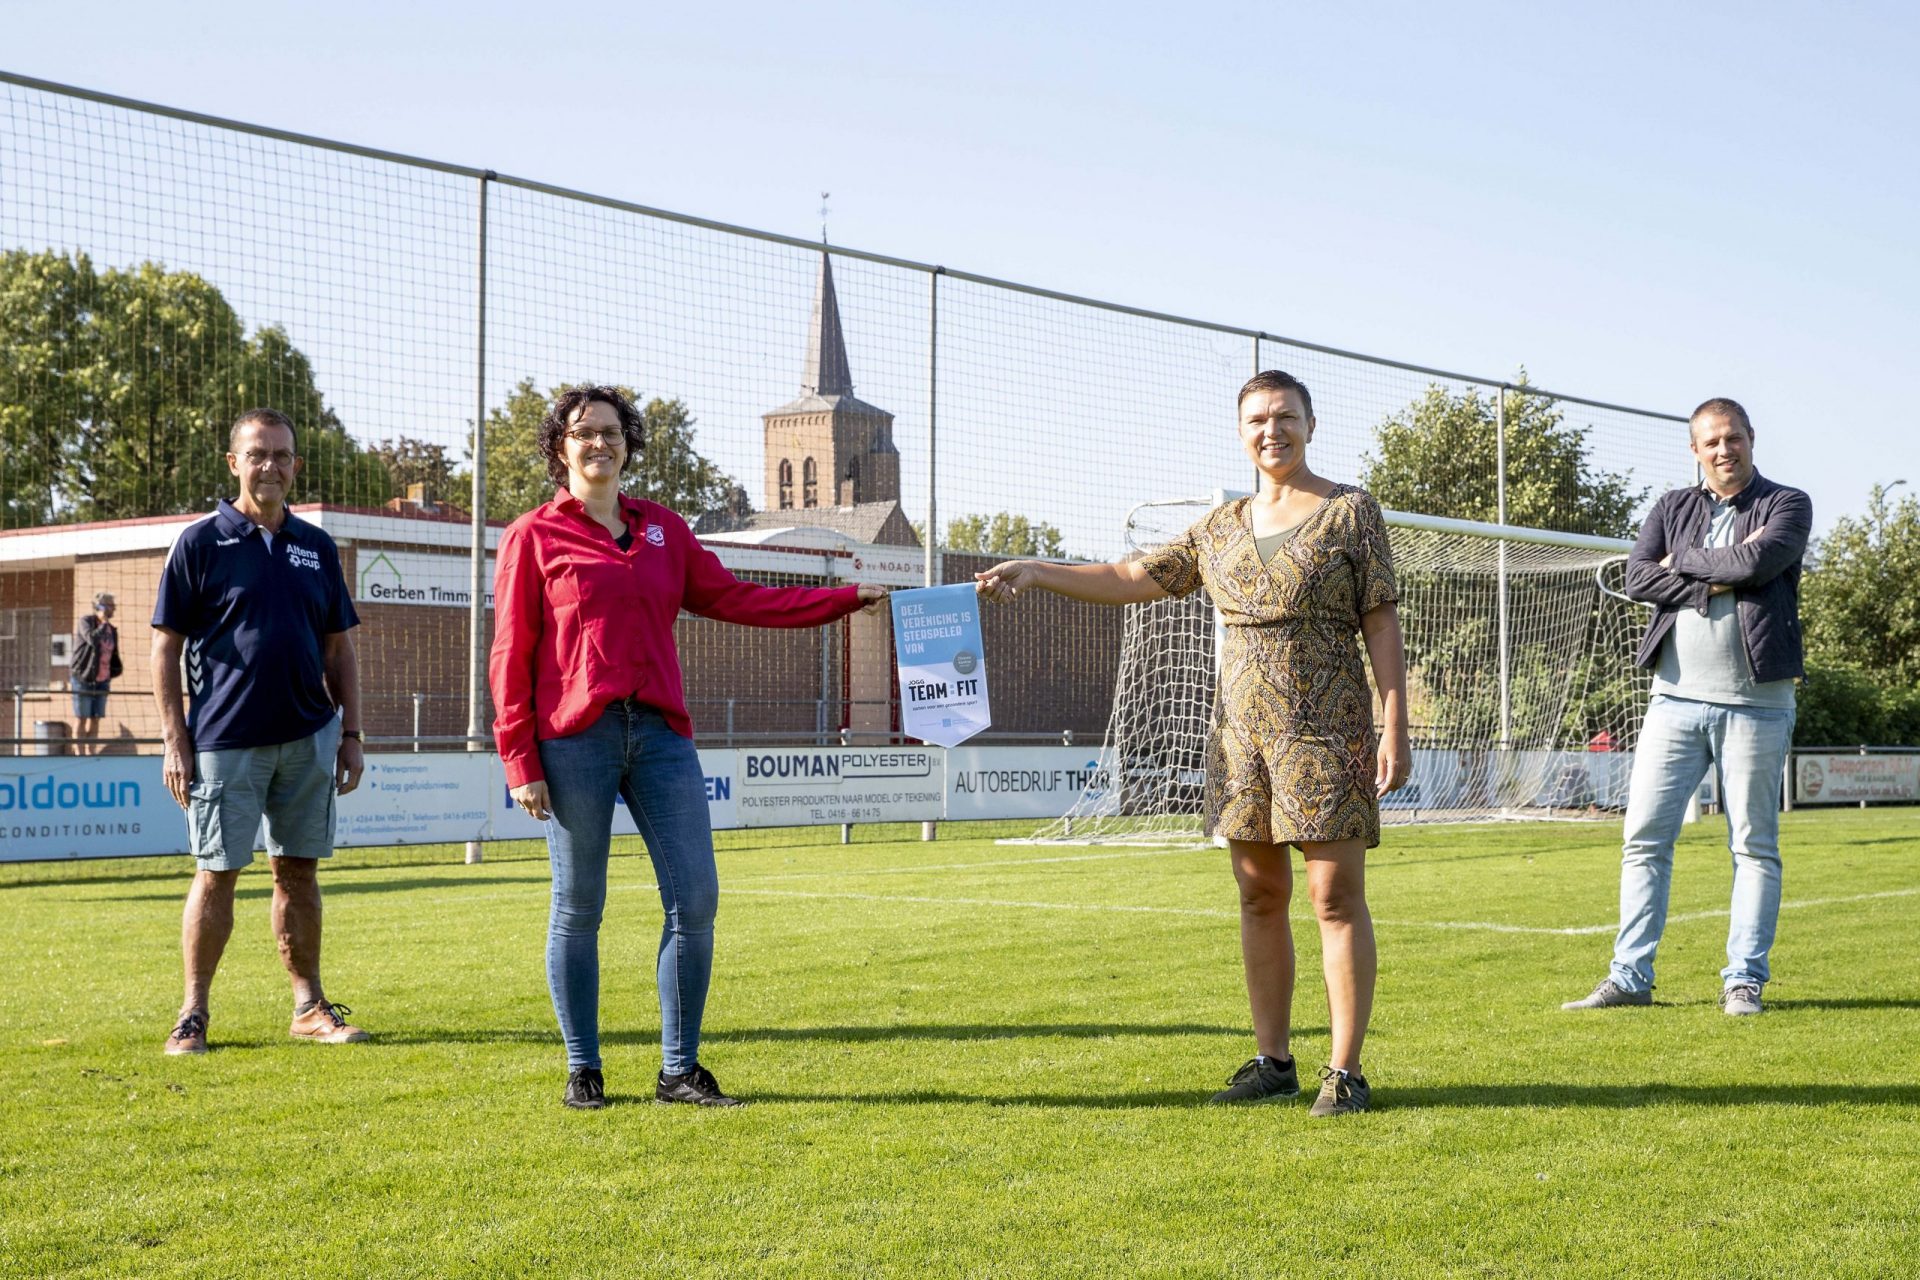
(589, 710)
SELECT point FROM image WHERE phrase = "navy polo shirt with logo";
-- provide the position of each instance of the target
(254, 617)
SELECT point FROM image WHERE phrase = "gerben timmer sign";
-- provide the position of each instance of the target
(410, 577)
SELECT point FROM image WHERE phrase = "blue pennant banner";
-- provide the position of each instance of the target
(943, 666)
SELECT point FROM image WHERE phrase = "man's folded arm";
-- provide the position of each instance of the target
(1650, 581)
(1781, 544)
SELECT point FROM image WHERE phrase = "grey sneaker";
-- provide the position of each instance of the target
(1341, 1094)
(1261, 1080)
(1741, 1000)
(1609, 995)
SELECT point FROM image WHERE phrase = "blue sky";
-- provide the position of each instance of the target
(1644, 203)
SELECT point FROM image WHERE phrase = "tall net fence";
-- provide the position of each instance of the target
(810, 408)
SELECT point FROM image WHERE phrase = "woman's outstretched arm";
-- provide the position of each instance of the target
(1125, 583)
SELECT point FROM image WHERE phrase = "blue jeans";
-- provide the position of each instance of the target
(1679, 740)
(629, 754)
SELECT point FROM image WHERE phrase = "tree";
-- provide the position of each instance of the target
(1860, 597)
(1002, 534)
(1860, 608)
(410, 461)
(117, 390)
(1841, 706)
(48, 349)
(672, 472)
(1438, 456)
(516, 475)
(669, 470)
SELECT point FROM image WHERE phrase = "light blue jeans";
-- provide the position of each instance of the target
(629, 754)
(1679, 741)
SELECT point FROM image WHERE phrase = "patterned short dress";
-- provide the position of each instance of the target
(1292, 754)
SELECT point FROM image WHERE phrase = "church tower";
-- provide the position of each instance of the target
(828, 448)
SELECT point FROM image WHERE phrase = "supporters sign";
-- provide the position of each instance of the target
(1838, 779)
(943, 669)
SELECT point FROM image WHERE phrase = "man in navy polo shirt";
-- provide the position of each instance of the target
(254, 611)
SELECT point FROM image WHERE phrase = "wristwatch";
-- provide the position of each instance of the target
(355, 734)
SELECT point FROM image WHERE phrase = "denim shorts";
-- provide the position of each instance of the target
(89, 698)
(290, 785)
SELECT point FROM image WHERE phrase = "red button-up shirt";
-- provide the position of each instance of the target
(579, 623)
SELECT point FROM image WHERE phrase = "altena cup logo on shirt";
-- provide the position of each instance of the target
(656, 536)
(303, 557)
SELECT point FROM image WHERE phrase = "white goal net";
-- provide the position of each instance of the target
(1527, 710)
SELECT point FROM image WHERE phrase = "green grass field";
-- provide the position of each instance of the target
(975, 1059)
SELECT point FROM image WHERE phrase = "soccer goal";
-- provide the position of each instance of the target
(1522, 695)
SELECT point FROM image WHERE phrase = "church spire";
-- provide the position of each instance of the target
(826, 373)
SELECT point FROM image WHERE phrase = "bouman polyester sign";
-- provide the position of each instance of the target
(943, 668)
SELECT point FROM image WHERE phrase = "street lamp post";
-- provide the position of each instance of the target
(1880, 508)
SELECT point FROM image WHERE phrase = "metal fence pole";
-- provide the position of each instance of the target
(1236, 409)
(19, 720)
(1500, 504)
(928, 577)
(928, 830)
(477, 606)
(419, 699)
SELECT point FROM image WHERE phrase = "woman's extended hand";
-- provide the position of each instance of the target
(1395, 764)
(872, 596)
(532, 796)
(1002, 583)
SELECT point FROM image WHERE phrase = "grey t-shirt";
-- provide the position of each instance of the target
(1704, 658)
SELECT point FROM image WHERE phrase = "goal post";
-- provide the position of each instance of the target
(1523, 700)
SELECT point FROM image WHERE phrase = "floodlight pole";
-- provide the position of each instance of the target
(477, 579)
(1500, 502)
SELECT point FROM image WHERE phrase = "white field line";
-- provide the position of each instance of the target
(1210, 913)
(1484, 926)
(851, 874)
(1479, 926)
(1685, 916)
(956, 866)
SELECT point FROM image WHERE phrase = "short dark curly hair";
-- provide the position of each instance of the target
(571, 401)
(1275, 380)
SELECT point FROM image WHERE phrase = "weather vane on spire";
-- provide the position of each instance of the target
(824, 197)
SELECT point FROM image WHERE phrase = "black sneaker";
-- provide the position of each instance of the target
(586, 1091)
(696, 1086)
(1341, 1093)
(1261, 1080)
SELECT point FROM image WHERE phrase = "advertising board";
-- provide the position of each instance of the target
(117, 806)
(1849, 779)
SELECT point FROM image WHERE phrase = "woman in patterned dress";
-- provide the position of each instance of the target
(1296, 571)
